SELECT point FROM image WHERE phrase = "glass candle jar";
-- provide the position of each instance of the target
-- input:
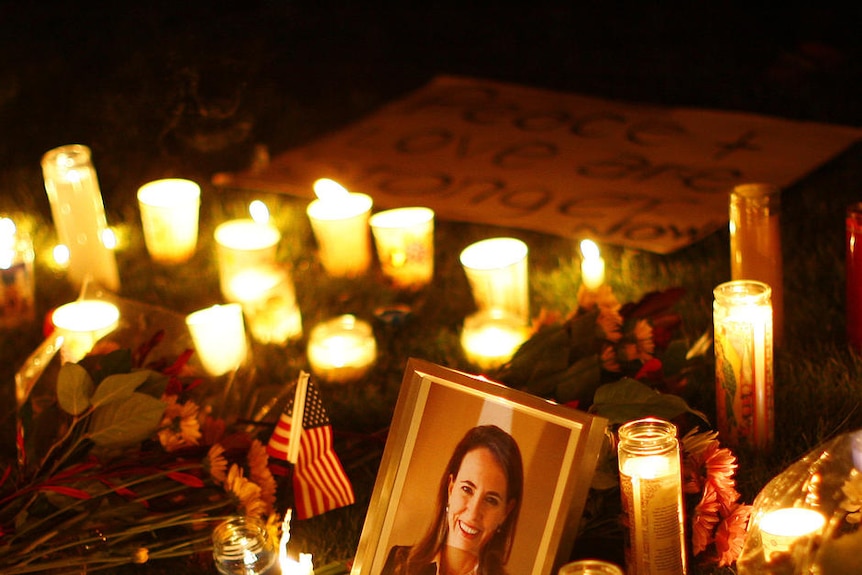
(755, 243)
(241, 546)
(742, 316)
(79, 215)
(651, 486)
(854, 276)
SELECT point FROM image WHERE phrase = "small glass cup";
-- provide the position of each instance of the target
(241, 546)
(590, 567)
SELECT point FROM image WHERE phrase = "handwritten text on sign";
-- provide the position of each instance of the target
(645, 177)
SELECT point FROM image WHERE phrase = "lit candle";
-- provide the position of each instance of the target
(169, 217)
(79, 215)
(780, 529)
(592, 265)
(651, 487)
(490, 338)
(16, 276)
(241, 546)
(304, 566)
(81, 324)
(742, 317)
(268, 301)
(405, 245)
(342, 349)
(339, 220)
(496, 269)
(218, 333)
(755, 243)
(854, 275)
(242, 245)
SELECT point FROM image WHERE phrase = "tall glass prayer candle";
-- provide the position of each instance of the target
(742, 316)
(651, 486)
(755, 243)
(854, 276)
(79, 215)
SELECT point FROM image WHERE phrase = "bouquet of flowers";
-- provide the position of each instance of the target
(133, 468)
(627, 362)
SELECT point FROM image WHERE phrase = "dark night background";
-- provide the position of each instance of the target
(188, 88)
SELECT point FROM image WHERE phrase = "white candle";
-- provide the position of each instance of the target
(79, 215)
(242, 245)
(218, 333)
(17, 296)
(342, 349)
(81, 324)
(781, 528)
(339, 220)
(169, 216)
(742, 316)
(592, 265)
(496, 269)
(491, 338)
(268, 300)
(405, 245)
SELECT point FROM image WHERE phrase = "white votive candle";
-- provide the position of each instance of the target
(781, 528)
(81, 324)
(241, 245)
(490, 338)
(169, 217)
(405, 245)
(268, 300)
(218, 333)
(342, 349)
(79, 215)
(592, 265)
(496, 269)
(339, 220)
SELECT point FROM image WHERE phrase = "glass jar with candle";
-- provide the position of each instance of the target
(651, 485)
(742, 316)
(241, 546)
(755, 242)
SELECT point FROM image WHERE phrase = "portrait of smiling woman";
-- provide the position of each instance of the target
(478, 502)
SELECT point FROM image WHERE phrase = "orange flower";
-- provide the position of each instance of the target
(216, 463)
(730, 535)
(180, 426)
(258, 463)
(609, 359)
(704, 521)
(643, 340)
(247, 492)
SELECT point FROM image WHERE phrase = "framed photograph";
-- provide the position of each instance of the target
(476, 475)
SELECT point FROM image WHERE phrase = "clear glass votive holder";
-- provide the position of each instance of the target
(342, 233)
(169, 217)
(496, 270)
(342, 349)
(241, 546)
(404, 238)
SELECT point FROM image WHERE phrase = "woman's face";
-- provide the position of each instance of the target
(478, 501)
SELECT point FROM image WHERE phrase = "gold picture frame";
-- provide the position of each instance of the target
(436, 406)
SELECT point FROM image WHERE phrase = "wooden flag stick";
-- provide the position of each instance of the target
(296, 417)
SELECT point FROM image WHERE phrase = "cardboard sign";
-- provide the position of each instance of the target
(645, 177)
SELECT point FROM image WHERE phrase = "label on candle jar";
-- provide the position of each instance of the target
(744, 406)
(651, 509)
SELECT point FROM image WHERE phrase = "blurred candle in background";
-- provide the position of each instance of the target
(339, 220)
(592, 265)
(79, 215)
(81, 324)
(742, 316)
(17, 288)
(169, 217)
(490, 338)
(342, 349)
(853, 274)
(268, 301)
(496, 269)
(782, 528)
(405, 245)
(218, 333)
(243, 245)
(755, 243)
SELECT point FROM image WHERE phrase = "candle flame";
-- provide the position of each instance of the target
(259, 212)
(61, 255)
(589, 250)
(285, 538)
(329, 190)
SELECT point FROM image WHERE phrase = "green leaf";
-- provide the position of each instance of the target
(118, 386)
(580, 381)
(103, 365)
(545, 353)
(629, 399)
(127, 421)
(673, 360)
(74, 388)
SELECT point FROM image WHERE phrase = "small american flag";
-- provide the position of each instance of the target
(319, 481)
